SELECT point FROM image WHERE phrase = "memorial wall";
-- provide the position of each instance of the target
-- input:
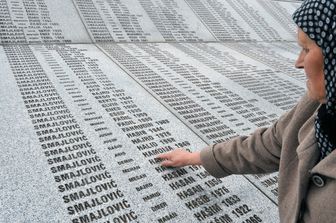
(92, 91)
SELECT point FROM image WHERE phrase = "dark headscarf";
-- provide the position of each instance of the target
(317, 18)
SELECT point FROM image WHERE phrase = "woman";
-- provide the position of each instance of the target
(300, 145)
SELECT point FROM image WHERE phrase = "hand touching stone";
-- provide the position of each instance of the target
(180, 157)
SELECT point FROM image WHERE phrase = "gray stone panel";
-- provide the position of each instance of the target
(141, 21)
(242, 20)
(35, 21)
(92, 91)
(91, 154)
(79, 21)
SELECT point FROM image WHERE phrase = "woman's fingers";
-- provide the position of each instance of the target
(166, 159)
(180, 157)
(169, 158)
(167, 163)
(164, 155)
(175, 158)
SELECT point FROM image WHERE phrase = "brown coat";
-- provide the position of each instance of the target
(288, 146)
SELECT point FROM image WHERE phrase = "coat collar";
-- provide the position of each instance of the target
(310, 153)
(327, 166)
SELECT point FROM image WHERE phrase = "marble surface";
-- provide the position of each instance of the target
(91, 91)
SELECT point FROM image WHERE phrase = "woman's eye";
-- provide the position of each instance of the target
(306, 50)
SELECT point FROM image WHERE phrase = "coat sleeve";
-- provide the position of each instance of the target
(258, 153)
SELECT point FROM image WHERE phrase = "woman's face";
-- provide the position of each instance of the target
(311, 60)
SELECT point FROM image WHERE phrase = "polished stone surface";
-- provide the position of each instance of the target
(91, 91)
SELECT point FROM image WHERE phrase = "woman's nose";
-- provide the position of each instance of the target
(299, 61)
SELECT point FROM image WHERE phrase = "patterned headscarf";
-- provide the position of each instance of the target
(317, 18)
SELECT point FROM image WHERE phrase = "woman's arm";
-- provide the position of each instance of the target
(243, 154)
(258, 153)
(180, 157)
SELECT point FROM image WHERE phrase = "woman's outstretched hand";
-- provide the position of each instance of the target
(180, 157)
